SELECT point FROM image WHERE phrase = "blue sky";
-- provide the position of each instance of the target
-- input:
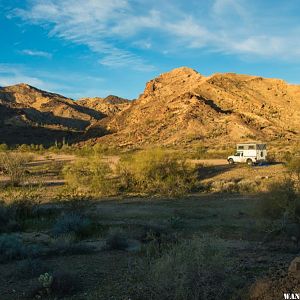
(98, 47)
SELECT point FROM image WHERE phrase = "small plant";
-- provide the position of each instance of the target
(3, 147)
(57, 284)
(72, 223)
(46, 280)
(176, 222)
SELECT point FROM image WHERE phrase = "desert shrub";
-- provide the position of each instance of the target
(14, 165)
(176, 222)
(72, 223)
(247, 186)
(11, 247)
(156, 171)
(24, 148)
(280, 201)
(3, 147)
(222, 186)
(194, 269)
(90, 174)
(235, 186)
(116, 239)
(293, 166)
(68, 245)
(103, 149)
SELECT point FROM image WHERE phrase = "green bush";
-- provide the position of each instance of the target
(195, 269)
(156, 171)
(3, 147)
(90, 175)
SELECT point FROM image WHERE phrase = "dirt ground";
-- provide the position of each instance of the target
(102, 273)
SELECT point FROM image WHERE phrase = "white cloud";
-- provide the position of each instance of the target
(11, 74)
(92, 23)
(36, 53)
(108, 27)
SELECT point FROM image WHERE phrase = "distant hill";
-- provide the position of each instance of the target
(109, 105)
(177, 107)
(31, 115)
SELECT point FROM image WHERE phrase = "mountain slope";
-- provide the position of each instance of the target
(182, 105)
(108, 106)
(30, 115)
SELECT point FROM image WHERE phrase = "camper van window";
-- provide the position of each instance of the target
(237, 154)
(261, 154)
(240, 147)
(251, 147)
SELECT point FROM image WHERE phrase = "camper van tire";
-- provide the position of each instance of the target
(230, 161)
(249, 162)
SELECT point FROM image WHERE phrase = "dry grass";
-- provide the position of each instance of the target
(14, 166)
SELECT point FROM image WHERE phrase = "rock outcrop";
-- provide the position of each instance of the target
(182, 106)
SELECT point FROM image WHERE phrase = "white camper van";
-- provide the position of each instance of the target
(250, 153)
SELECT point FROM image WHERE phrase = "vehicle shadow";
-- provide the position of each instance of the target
(206, 172)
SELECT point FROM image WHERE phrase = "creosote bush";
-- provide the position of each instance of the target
(90, 175)
(156, 171)
(14, 166)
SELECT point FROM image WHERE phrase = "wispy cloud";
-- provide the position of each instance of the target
(12, 74)
(91, 23)
(108, 27)
(36, 53)
(64, 82)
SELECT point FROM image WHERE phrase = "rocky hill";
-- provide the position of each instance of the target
(177, 107)
(182, 106)
(30, 115)
(109, 105)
